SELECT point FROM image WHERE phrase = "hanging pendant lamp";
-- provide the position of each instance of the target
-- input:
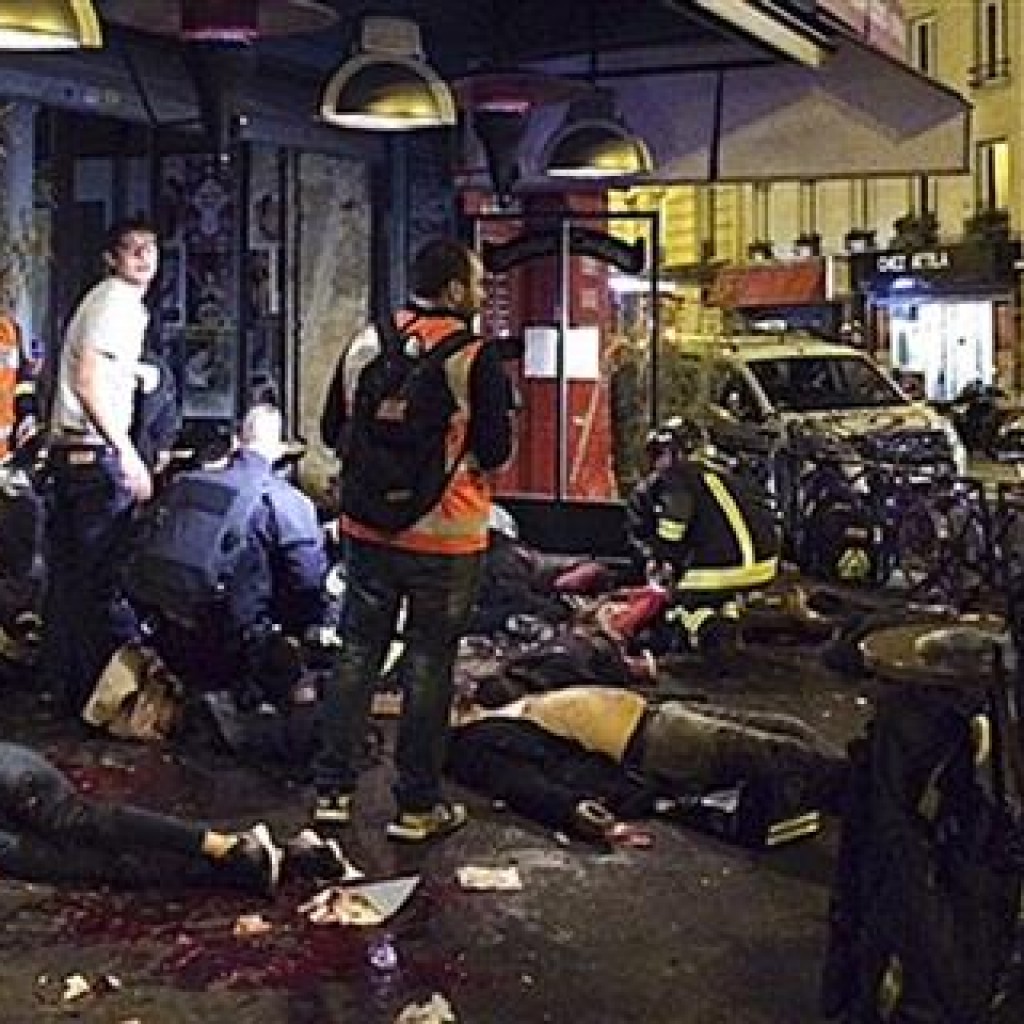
(224, 22)
(48, 25)
(388, 85)
(594, 143)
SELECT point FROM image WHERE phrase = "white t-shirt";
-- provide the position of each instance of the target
(111, 319)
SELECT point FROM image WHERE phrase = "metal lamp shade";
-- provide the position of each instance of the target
(593, 142)
(48, 25)
(598, 150)
(386, 94)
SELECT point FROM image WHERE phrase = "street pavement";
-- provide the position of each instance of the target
(692, 930)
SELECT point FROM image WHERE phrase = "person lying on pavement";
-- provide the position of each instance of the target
(51, 833)
(546, 754)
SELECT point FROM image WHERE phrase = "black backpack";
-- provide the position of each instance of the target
(189, 544)
(924, 910)
(394, 466)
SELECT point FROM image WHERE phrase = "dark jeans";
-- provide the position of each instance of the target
(84, 620)
(439, 591)
(50, 833)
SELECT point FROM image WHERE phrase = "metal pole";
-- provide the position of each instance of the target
(564, 314)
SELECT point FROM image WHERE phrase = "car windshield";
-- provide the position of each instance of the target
(812, 383)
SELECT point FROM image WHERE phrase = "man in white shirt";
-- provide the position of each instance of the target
(98, 475)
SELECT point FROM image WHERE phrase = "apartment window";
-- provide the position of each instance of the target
(708, 223)
(922, 44)
(923, 194)
(762, 211)
(991, 52)
(808, 200)
(992, 175)
(862, 202)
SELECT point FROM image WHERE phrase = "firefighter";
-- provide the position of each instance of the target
(706, 531)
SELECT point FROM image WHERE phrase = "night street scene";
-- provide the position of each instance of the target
(511, 512)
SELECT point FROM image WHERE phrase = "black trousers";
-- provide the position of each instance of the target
(84, 620)
(51, 833)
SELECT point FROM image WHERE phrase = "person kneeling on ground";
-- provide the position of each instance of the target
(706, 529)
(552, 755)
(232, 561)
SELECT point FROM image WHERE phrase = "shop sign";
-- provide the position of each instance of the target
(981, 266)
(909, 262)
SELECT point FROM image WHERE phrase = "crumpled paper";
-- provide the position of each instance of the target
(437, 1010)
(474, 876)
(250, 925)
(363, 904)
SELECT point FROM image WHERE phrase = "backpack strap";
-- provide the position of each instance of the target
(393, 337)
(388, 333)
(450, 346)
(439, 354)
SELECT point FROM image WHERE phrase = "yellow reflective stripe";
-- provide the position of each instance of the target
(692, 621)
(670, 530)
(25, 387)
(730, 576)
(733, 516)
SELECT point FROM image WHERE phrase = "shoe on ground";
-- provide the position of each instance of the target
(592, 822)
(419, 826)
(309, 855)
(332, 809)
(254, 862)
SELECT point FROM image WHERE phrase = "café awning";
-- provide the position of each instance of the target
(781, 284)
(855, 113)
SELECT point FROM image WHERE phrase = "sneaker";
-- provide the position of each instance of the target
(419, 826)
(333, 809)
(309, 855)
(254, 862)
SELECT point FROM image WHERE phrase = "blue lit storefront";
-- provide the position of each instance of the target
(945, 315)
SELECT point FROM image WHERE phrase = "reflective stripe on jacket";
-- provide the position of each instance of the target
(458, 524)
(729, 542)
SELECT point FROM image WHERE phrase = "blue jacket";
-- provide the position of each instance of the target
(282, 581)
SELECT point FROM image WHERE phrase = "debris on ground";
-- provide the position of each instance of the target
(363, 904)
(76, 986)
(473, 876)
(248, 926)
(437, 1010)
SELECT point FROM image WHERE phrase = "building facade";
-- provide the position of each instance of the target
(924, 269)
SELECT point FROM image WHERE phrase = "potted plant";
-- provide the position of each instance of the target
(915, 230)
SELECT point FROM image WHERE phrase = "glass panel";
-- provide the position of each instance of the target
(333, 261)
(262, 285)
(198, 298)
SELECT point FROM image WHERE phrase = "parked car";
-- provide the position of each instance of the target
(760, 394)
(821, 426)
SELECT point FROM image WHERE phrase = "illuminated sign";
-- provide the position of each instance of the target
(908, 262)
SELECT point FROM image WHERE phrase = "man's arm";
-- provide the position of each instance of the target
(641, 522)
(300, 556)
(676, 505)
(90, 383)
(490, 429)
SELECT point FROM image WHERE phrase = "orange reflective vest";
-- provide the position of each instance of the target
(10, 357)
(458, 523)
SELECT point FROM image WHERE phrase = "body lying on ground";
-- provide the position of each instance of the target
(546, 754)
(49, 832)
